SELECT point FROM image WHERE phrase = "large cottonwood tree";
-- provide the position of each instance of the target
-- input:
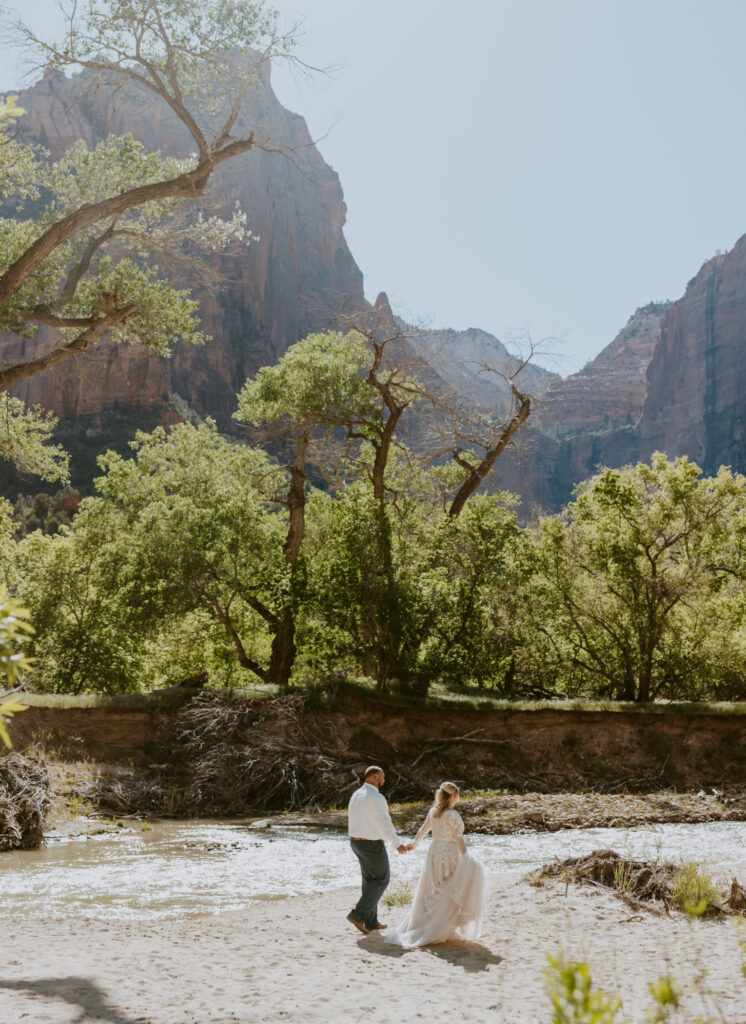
(631, 583)
(86, 250)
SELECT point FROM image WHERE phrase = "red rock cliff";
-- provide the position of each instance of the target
(609, 392)
(272, 293)
(696, 384)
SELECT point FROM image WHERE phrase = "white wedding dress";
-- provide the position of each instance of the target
(451, 896)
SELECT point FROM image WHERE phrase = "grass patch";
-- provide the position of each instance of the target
(472, 698)
(76, 806)
(693, 890)
(399, 895)
(463, 698)
(624, 877)
(155, 698)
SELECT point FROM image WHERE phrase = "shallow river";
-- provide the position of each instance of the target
(206, 866)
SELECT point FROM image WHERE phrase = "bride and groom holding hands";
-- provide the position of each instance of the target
(451, 895)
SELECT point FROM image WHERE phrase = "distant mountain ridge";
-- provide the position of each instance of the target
(609, 391)
(694, 400)
(477, 364)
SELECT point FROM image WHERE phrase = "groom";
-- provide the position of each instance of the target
(369, 824)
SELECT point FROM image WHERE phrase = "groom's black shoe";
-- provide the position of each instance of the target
(377, 927)
(358, 924)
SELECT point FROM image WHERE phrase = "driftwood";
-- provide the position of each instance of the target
(24, 803)
(227, 758)
(640, 883)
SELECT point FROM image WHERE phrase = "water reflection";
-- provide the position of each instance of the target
(206, 867)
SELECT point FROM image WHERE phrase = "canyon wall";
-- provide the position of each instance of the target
(674, 380)
(610, 390)
(268, 295)
(696, 384)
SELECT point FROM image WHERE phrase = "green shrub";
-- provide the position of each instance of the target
(574, 1000)
(693, 890)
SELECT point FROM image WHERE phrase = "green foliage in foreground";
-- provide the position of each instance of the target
(14, 634)
(574, 1000)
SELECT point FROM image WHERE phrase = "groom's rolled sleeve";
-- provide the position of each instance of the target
(385, 822)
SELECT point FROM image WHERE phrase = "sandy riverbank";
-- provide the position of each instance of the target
(299, 960)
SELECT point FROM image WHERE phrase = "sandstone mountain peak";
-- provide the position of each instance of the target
(610, 390)
(382, 306)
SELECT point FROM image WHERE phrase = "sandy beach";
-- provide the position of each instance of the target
(298, 959)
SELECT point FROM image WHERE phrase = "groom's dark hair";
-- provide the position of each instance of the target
(373, 770)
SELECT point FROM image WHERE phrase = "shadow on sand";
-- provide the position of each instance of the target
(74, 991)
(469, 956)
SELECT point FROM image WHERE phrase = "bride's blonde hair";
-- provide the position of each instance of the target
(446, 796)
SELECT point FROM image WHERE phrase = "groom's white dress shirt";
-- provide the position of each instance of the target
(368, 816)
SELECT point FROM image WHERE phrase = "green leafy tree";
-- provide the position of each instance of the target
(337, 402)
(83, 638)
(317, 388)
(443, 579)
(634, 578)
(189, 526)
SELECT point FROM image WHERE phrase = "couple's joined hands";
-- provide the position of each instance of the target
(405, 848)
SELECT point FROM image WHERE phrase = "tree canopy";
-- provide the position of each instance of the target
(94, 237)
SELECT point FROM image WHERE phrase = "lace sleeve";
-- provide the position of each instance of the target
(454, 826)
(427, 824)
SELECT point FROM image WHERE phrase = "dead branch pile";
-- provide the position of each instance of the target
(24, 803)
(640, 882)
(228, 758)
(640, 879)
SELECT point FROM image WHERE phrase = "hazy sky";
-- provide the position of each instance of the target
(541, 165)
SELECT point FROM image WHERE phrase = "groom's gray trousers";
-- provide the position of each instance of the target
(374, 865)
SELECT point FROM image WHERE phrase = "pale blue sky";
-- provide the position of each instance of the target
(547, 165)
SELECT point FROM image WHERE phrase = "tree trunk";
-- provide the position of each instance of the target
(282, 657)
(479, 472)
(297, 500)
(383, 449)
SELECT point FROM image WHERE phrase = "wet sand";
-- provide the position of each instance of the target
(299, 960)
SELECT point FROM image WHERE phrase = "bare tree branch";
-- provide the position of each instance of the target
(114, 317)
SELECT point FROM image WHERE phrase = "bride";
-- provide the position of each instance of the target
(451, 896)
